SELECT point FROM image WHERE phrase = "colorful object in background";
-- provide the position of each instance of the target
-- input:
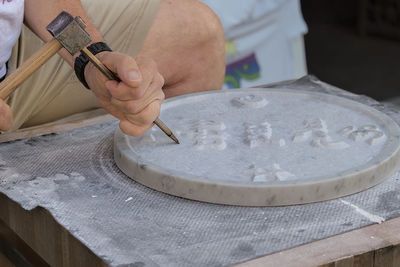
(246, 68)
(230, 48)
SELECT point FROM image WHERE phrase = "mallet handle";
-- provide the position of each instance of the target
(28, 67)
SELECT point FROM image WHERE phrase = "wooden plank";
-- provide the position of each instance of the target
(40, 231)
(384, 257)
(20, 246)
(11, 255)
(72, 122)
(396, 256)
(346, 262)
(336, 248)
(49, 244)
(364, 260)
(5, 262)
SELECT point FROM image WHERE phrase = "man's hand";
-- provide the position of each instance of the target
(6, 118)
(136, 100)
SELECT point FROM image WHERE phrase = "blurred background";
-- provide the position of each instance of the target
(352, 44)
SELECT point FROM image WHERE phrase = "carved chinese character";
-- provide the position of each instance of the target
(317, 131)
(257, 135)
(207, 134)
(250, 101)
(371, 134)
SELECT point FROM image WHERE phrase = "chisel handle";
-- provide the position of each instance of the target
(28, 67)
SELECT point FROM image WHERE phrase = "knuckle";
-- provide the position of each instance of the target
(153, 65)
(105, 103)
(160, 80)
(148, 121)
(125, 60)
(105, 56)
(132, 130)
(144, 119)
(137, 93)
(162, 96)
(155, 110)
(132, 107)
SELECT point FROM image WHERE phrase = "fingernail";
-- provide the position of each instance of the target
(133, 75)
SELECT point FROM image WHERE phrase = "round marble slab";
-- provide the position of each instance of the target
(263, 147)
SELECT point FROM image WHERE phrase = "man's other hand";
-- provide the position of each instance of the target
(6, 118)
(136, 100)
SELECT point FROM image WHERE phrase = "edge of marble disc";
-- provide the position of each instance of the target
(272, 194)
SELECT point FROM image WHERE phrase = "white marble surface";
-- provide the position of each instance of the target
(262, 147)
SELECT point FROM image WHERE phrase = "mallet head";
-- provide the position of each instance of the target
(70, 32)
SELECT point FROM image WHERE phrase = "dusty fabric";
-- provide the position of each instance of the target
(54, 91)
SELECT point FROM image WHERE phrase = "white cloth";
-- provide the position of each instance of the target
(262, 37)
(11, 18)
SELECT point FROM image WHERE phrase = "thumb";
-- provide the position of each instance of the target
(124, 66)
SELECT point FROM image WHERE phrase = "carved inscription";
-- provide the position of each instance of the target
(269, 174)
(370, 134)
(250, 101)
(207, 134)
(212, 135)
(256, 135)
(316, 130)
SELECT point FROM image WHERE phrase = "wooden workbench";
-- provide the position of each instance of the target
(35, 237)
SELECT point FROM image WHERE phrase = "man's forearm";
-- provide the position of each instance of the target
(39, 13)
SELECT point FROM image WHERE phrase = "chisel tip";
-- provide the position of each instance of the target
(166, 130)
(173, 137)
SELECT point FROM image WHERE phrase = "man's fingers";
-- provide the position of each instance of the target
(138, 124)
(113, 110)
(130, 91)
(132, 129)
(124, 66)
(147, 116)
(136, 106)
(122, 92)
(136, 100)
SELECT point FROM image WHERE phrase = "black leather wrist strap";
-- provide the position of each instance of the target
(82, 60)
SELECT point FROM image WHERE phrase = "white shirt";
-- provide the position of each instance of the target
(11, 18)
(259, 20)
(261, 34)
